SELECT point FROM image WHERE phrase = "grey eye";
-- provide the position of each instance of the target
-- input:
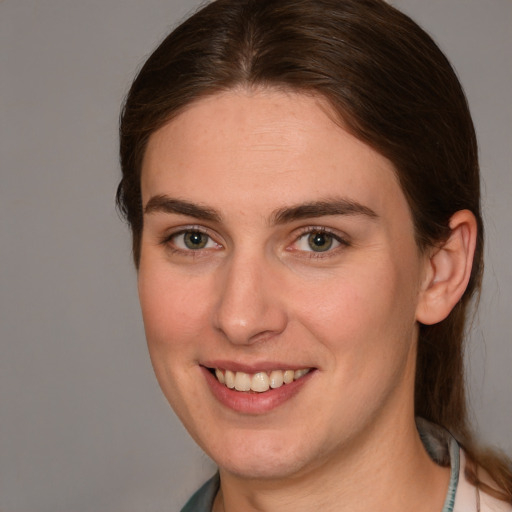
(192, 240)
(319, 241)
(195, 240)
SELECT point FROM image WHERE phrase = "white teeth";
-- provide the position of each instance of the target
(300, 373)
(258, 382)
(229, 376)
(276, 379)
(242, 381)
(220, 376)
(288, 376)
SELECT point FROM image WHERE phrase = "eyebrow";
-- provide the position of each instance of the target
(166, 204)
(335, 206)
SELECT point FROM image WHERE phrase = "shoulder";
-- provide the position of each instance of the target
(468, 498)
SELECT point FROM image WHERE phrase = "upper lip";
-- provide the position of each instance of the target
(261, 366)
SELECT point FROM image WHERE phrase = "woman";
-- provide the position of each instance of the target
(302, 184)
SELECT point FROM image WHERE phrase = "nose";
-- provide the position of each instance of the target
(249, 308)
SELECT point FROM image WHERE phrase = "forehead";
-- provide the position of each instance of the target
(249, 145)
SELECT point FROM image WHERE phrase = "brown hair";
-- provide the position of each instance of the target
(391, 87)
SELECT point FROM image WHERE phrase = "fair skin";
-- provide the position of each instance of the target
(273, 241)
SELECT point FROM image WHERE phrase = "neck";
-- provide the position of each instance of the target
(385, 470)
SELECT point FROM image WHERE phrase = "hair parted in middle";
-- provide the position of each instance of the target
(387, 83)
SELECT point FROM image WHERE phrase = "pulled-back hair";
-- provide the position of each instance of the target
(390, 86)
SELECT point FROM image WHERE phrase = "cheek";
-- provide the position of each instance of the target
(364, 316)
(174, 309)
(353, 300)
(173, 321)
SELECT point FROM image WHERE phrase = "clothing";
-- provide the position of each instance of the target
(462, 496)
(202, 500)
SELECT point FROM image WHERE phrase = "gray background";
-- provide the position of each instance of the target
(83, 425)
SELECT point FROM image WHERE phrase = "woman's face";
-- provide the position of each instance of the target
(275, 242)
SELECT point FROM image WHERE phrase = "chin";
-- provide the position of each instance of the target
(257, 456)
(260, 467)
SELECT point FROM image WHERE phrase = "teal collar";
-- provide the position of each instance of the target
(439, 443)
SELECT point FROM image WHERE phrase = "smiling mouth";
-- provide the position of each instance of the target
(258, 382)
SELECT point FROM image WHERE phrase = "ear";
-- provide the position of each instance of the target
(448, 269)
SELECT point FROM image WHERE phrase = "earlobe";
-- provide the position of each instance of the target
(448, 270)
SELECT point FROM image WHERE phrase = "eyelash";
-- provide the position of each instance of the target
(167, 241)
(309, 230)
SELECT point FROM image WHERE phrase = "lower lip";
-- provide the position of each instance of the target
(254, 403)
